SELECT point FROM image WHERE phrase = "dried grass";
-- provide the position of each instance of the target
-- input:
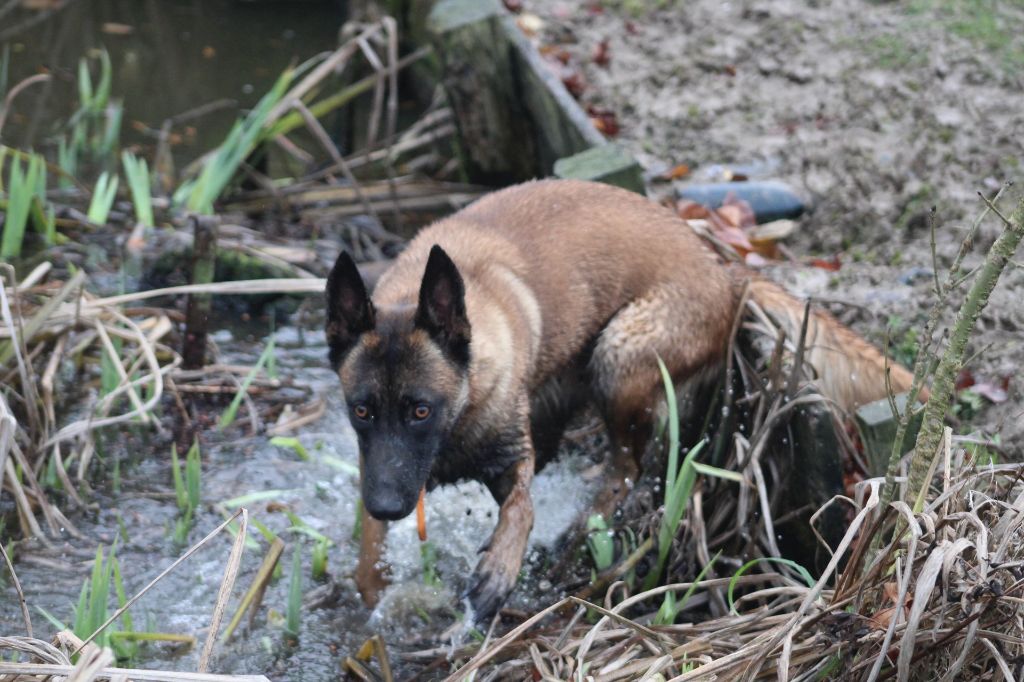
(942, 600)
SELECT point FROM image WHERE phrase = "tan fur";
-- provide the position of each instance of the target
(556, 269)
(588, 253)
(849, 370)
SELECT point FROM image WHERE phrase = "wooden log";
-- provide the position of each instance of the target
(514, 116)
(497, 145)
(197, 315)
(810, 449)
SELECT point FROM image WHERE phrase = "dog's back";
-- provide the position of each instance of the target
(562, 258)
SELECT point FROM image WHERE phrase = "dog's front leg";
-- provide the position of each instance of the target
(370, 577)
(498, 569)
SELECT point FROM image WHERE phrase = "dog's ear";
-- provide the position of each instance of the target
(442, 306)
(349, 310)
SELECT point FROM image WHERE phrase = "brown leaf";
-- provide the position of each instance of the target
(113, 28)
(731, 215)
(574, 83)
(995, 391)
(883, 617)
(555, 53)
(604, 120)
(602, 57)
(746, 217)
(691, 210)
(832, 263)
(964, 379)
(676, 172)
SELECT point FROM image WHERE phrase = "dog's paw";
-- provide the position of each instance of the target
(490, 585)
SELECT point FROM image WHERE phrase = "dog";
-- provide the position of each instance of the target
(496, 323)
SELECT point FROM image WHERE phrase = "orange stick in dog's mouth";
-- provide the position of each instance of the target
(421, 515)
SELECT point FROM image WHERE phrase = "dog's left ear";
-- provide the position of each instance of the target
(442, 306)
(349, 309)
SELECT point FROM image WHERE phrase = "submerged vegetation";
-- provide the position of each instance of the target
(921, 572)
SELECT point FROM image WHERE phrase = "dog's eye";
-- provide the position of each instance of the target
(361, 411)
(421, 412)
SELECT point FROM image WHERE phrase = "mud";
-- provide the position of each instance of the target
(873, 112)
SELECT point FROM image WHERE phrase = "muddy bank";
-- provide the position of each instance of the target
(873, 112)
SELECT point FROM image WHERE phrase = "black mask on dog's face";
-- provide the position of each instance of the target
(405, 377)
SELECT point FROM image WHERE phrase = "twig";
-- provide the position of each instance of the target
(17, 588)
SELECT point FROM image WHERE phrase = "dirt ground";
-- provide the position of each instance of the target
(872, 111)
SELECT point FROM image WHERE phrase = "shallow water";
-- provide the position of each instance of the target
(168, 57)
(323, 492)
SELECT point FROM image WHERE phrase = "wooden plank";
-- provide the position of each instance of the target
(43, 670)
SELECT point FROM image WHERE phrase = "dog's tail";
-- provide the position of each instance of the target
(849, 370)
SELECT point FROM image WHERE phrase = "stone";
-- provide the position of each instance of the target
(609, 163)
(877, 428)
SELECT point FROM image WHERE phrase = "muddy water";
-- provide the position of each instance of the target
(323, 493)
(168, 57)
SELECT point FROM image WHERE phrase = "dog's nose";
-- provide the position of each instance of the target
(387, 506)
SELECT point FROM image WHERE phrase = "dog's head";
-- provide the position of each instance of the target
(405, 375)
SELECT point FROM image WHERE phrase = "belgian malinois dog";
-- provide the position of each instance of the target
(495, 323)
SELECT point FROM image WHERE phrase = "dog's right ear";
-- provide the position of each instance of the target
(349, 310)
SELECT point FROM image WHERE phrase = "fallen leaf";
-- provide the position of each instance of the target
(574, 83)
(602, 56)
(115, 29)
(555, 53)
(993, 391)
(604, 120)
(676, 172)
(755, 260)
(209, 52)
(691, 210)
(883, 617)
(964, 379)
(514, 6)
(832, 263)
(741, 208)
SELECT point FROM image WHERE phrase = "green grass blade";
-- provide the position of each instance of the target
(111, 132)
(243, 139)
(103, 198)
(668, 612)
(600, 542)
(19, 200)
(98, 592)
(293, 620)
(179, 482)
(428, 557)
(804, 573)
(320, 559)
(229, 415)
(106, 78)
(193, 473)
(84, 84)
(53, 620)
(293, 444)
(137, 172)
(81, 627)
